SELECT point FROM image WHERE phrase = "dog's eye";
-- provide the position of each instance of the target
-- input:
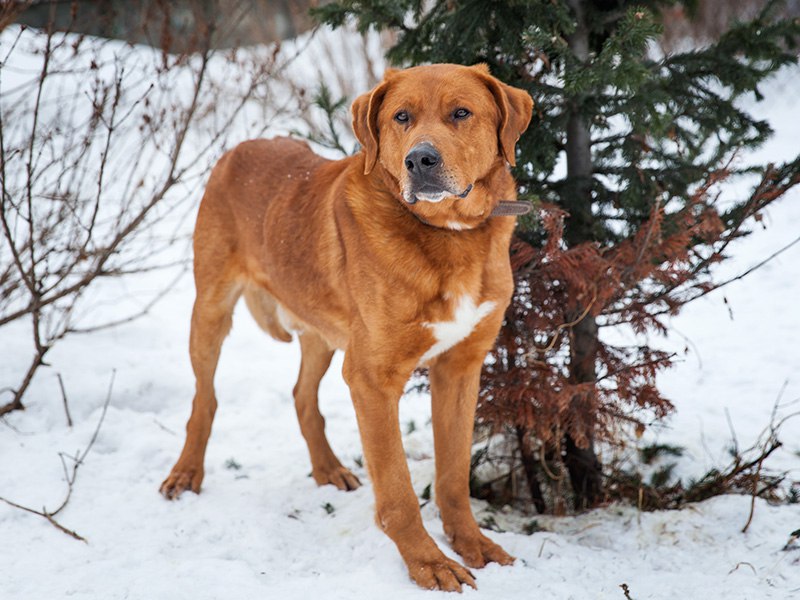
(401, 117)
(461, 113)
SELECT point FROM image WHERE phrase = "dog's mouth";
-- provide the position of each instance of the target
(430, 194)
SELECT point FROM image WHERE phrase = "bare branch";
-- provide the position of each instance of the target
(64, 398)
(70, 476)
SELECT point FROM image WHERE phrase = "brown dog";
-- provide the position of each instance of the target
(392, 255)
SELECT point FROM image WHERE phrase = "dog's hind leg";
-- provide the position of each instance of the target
(325, 467)
(217, 293)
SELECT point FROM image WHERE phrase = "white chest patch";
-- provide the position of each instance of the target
(449, 333)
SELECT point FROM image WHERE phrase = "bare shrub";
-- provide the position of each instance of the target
(102, 143)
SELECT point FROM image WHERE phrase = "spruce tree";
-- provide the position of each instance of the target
(642, 137)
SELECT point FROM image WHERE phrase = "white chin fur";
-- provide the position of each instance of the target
(457, 225)
(433, 197)
(409, 196)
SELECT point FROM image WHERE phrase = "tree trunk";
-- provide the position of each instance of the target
(582, 463)
(529, 464)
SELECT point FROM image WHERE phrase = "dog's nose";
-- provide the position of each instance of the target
(422, 158)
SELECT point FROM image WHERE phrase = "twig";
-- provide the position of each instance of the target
(733, 432)
(745, 273)
(541, 548)
(38, 361)
(14, 428)
(646, 363)
(78, 460)
(771, 439)
(49, 517)
(753, 496)
(64, 397)
(563, 326)
(715, 287)
(15, 404)
(741, 564)
(759, 198)
(626, 590)
(646, 241)
(164, 427)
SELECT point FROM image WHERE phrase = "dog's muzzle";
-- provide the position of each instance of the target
(426, 177)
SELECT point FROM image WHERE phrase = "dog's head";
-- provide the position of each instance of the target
(439, 130)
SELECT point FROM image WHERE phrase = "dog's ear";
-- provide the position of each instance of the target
(365, 123)
(515, 106)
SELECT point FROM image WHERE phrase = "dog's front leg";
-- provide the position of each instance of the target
(376, 391)
(455, 379)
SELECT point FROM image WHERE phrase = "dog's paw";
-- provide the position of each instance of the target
(180, 480)
(477, 551)
(441, 574)
(339, 476)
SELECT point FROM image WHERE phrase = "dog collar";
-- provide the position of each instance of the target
(511, 208)
(504, 208)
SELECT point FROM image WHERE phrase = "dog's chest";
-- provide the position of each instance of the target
(465, 315)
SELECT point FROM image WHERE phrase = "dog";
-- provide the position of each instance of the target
(397, 255)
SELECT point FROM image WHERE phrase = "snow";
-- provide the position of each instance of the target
(261, 528)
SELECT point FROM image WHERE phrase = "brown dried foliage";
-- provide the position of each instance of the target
(527, 385)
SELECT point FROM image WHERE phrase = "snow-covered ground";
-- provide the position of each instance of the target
(262, 529)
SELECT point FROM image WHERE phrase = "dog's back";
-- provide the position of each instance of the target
(266, 228)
